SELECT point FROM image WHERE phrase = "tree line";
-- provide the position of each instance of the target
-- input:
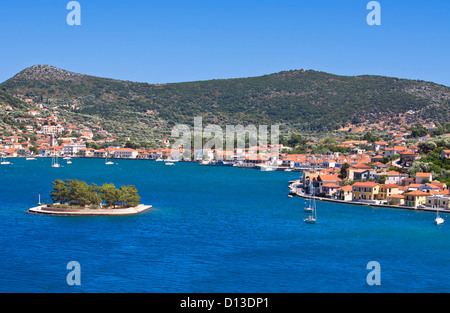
(79, 193)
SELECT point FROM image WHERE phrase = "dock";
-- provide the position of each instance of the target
(299, 192)
(44, 209)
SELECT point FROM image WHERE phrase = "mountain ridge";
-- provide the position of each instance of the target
(297, 99)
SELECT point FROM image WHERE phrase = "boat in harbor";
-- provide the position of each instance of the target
(267, 168)
(223, 163)
(55, 161)
(30, 158)
(108, 162)
(4, 162)
(312, 218)
(439, 220)
(169, 163)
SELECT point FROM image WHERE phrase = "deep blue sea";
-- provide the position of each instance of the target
(211, 229)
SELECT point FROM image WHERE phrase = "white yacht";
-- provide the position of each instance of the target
(439, 220)
(55, 161)
(108, 162)
(4, 162)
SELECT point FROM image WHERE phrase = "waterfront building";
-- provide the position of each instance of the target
(438, 201)
(396, 199)
(365, 190)
(101, 153)
(345, 193)
(125, 153)
(72, 149)
(415, 198)
(386, 191)
(329, 189)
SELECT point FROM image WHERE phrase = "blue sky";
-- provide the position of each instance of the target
(173, 41)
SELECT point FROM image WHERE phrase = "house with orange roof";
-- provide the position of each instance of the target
(396, 200)
(345, 193)
(413, 187)
(379, 166)
(86, 152)
(329, 189)
(393, 177)
(415, 198)
(442, 186)
(360, 172)
(377, 145)
(101, 153)
(365, 191)
(396, 150)
(408, 157)
(387, 190)
(329, 179)
(420, 177)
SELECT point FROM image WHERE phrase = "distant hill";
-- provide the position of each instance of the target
(298, 99)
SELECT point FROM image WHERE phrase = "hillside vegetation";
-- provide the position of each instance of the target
(298, 100)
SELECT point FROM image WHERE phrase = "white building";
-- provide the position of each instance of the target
(72, 149)
(125, 153)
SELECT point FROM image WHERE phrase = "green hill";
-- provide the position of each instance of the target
(301, 100)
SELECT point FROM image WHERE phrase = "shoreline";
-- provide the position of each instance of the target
(300, 194)
(45, 210)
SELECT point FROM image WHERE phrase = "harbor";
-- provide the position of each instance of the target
(295, 190)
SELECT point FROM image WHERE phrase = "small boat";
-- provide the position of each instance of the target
(310, 220)
(30, 159)
(69, 162)
(108, 162)
(169, 163)
(4, 162)
(159, 160)
(223, 163)
(439, 220)
(290, 196)
(55, 161)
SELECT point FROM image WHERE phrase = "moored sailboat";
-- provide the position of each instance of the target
(439, 220)
(55, 161)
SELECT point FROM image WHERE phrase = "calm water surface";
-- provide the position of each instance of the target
(211, 229)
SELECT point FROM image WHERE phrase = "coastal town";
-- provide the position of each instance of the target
(386, 169)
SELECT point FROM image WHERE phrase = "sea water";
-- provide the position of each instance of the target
(211, 229)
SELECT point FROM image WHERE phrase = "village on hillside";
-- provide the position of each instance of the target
(405, 167)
